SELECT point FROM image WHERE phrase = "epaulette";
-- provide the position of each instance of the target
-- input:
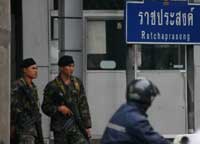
(60, 85)
(17, 84)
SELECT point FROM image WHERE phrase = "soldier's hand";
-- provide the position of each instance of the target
(89, 132)
(64, 110)
(12, 132)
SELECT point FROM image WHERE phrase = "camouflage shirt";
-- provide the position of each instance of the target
(24, 106)
(74, 92)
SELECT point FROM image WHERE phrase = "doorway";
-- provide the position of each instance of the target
(16, 38)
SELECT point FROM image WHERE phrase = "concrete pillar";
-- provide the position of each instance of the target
(71, 32)
(4, 71)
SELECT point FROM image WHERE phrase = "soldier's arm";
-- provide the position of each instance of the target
(16, 100)
(139, 127)
(84, 107)
(18, 105)
(48, 105)
(13, 112)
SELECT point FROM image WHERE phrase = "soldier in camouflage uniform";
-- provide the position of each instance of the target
(25, 115)
(64, 101)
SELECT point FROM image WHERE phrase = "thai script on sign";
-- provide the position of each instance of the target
(165, 18)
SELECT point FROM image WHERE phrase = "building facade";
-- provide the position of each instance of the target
(93, 33)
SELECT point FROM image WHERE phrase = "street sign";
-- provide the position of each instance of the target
(156, 22)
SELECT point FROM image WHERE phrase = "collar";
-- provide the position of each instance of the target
(141, 107)
(23, 81)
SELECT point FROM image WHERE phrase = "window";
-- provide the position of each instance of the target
(106, 48)
(162, 57)
(55, 4)
(54, 27)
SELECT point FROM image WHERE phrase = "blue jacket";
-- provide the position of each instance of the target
(129, 125)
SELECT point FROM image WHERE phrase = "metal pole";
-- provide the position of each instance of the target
(135, 61)
(131, 63)
(190, 87)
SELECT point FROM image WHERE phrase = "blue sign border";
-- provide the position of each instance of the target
(150, 6)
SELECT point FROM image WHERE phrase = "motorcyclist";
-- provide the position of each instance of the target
(129, 124)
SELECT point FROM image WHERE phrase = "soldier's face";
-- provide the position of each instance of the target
(68, 70)
(31, 71)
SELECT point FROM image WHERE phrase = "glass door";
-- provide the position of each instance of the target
(166, 66)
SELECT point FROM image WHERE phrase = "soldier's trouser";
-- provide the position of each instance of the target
(26, 139)
(69, 136)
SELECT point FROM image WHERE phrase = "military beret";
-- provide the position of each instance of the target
(65, 60)
(27, 62)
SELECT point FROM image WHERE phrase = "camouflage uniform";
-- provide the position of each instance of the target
(25, 115)
(65, 129)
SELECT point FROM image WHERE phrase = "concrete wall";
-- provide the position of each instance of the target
(197, 85)
(4, 71)
(36, 44)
